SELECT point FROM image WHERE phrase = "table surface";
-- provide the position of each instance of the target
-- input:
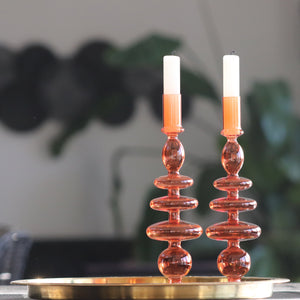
(281, 291)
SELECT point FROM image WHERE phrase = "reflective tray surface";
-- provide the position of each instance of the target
(192, 287)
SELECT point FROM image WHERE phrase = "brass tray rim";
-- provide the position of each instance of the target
(152, 288)
(211, 280)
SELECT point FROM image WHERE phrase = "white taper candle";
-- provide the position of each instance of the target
(171, 74)
(231, 76)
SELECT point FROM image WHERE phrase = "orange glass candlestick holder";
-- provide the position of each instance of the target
(174, 262)
(233, 262)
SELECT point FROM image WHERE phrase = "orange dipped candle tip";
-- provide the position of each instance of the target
(231, 116)
(172, 113)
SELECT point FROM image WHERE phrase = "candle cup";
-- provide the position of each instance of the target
(232, 116)
(172, 114)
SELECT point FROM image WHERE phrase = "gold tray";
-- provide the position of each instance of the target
(192, 287)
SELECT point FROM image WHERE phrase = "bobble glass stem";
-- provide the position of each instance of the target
(233, 262)
(174, 262)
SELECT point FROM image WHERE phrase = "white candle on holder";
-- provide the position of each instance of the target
(231, 96)
(171, 74)
(171, 95)
(231, 76)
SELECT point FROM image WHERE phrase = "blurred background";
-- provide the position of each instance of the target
(80, 113)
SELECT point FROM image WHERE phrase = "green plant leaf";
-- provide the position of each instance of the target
(290, 160)
(280, 216)
(264, 172)
(286, 245)
(272, 104)
(196, 84)
(262, 262)
(294, 195)
(147, 52)
(290, 164)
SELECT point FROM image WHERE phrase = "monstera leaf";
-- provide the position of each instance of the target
(196, 84)
(144, 53)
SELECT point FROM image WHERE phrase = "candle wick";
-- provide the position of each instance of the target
(233, 52)
(173, 52)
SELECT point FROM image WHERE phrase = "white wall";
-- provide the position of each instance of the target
(69, 196)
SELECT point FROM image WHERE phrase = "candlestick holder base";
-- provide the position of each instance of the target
(107, 288)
